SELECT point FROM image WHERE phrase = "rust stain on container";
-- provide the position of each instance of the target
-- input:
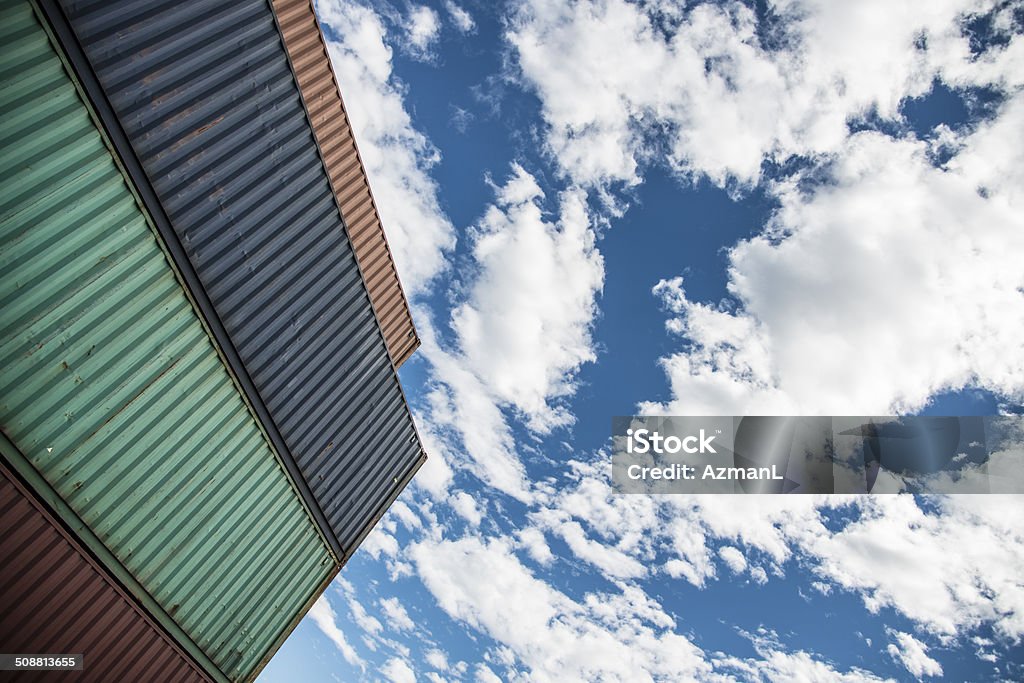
(55, 599)
(308, 54)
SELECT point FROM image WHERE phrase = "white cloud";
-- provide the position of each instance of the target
(522, 332)
(778, 665)
(437, 659)
(484, 674)
(913, 655)
(708, 91)
(532, 539)
(405, 514)
(985, 655)
(868, 294)
(365, 621)
(897, 555)
(608, 559)
(397, 670)
(894, 554)
(380, 542)
(606, 636)
(733, 558)
(758, 575)
(525, 327)
(396, 615)
(775, 663)
(462, 19)
(397, 156)
(324, 617)
(462, 407)
(422, 28)
(435, 476)
(467, 508)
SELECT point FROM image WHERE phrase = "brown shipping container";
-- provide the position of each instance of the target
(55, 599)
(312, 65)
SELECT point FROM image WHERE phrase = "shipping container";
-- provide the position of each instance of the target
(205, 93)
(113, 393)
(73, 606)
(311, 62)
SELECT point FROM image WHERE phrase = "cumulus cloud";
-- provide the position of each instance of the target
(776, 663)
(462, 19)
(624, 636)
(733, 558)
(897, 555)
(435, 475)
(484, 674)
(893, 552)
(397, 670)
(891, 281)
(467, 508)
(370, 624)
(422, 28)
(532, 539)
(525, 327)
(324, 617)
(521, 333)
(608, 559)
(872, 237)
(710, 90)
(398, 157)
(380, 542)
(398, 619)
(758, 575)
(437, 659)
(913, 655)
(404, 513)
(463, 410)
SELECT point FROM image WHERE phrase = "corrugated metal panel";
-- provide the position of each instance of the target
(112, 390)
(56, 599)
(206, 95)
(312, 66)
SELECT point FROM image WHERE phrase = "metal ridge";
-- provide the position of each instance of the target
(316, 79)
(404, 481)
(126, 156)
(101, 576)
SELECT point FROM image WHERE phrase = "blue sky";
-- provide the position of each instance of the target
(602, 208)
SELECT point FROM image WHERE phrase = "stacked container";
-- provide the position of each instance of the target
(196, 394)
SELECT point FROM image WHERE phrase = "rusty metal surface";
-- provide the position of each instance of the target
(54, 598)
(311, 63)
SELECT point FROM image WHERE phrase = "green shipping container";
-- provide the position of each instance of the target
(113, 395)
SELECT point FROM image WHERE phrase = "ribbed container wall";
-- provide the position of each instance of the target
(311, 62)
(55, 599)
(112, 390)
(206, 95)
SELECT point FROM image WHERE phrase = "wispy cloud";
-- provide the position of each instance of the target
(913, 655)
(422, 28)
(462, 19)
(617, 634)
(324, 617)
